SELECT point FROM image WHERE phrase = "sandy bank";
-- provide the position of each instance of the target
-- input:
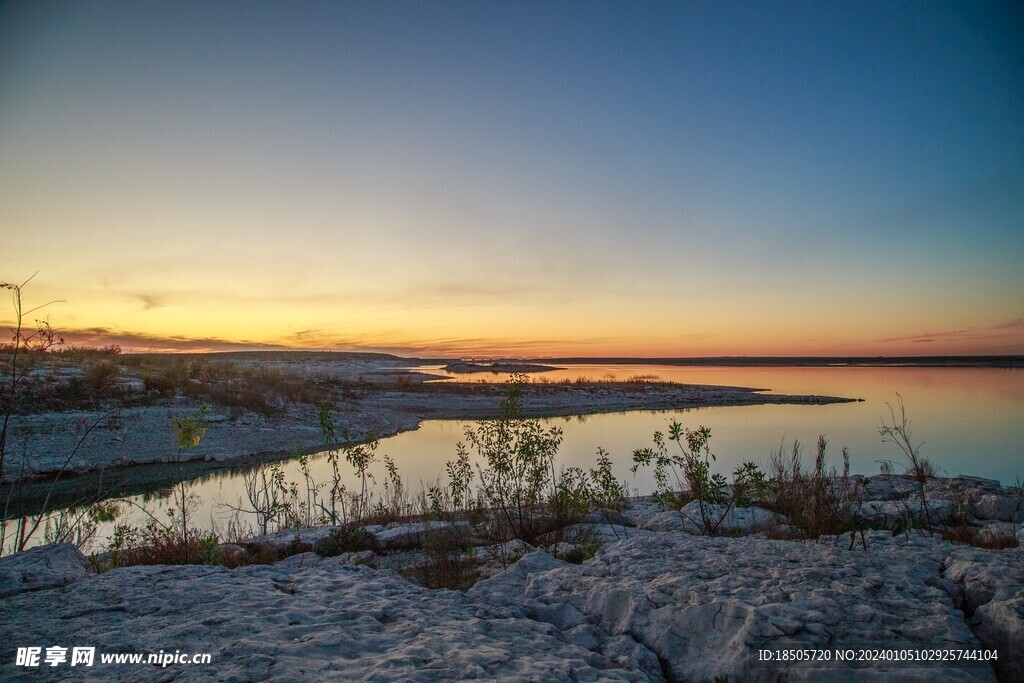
(143, 435)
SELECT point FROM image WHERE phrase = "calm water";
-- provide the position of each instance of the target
(970, 420)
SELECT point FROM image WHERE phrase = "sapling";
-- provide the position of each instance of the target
(517, 476)
(898, 432)
(188, 432)
(691, 470)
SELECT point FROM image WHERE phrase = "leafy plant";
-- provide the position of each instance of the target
(188, 432)
(449, 559)
(518, 478)
(269, 497)
(336, 492)
(460, 478)
(361, 456)
(394, 502)
(209, 549)
(345, 539)
(607, 494)
(690, 469)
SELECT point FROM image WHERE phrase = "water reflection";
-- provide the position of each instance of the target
(968, 418)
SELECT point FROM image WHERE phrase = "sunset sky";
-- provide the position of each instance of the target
(490, 178)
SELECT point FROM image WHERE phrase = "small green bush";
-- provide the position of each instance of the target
(450, 562)
(690, 469)
(163, 384)
(518, 480)
(345, 539)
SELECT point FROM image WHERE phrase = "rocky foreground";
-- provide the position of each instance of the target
(655, 603)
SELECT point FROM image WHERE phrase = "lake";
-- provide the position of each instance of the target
(969, 420)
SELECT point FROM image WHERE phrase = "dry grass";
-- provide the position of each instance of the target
(817, 501)
(170, 550)
(973, 536)
(450, 561)
(86, 378)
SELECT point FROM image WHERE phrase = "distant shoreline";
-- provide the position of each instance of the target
(810, 361)
(1000, 361)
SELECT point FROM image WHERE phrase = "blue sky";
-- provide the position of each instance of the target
(550, 178)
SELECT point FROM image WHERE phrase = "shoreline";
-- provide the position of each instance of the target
(125, 453)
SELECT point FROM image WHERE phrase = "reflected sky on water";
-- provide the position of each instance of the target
(969, 420)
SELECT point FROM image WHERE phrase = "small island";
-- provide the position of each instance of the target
(501, 367)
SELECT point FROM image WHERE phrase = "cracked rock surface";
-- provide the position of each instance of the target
(705, 606)
(324, 621)
(655, 603)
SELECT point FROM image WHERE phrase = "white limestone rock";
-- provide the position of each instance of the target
(614, 517)
(601, 533)
(992, 585)
(48, 566)
(705, 606)
(406, 536)
(326, 621)
(505, 588)
(1002, 507)
(886, 512)
(300, 560)
(737, 521)
(889, 487)
(509, 551)
(286, 537)
(1000, 625)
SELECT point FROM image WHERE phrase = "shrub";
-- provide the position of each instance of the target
(971, 535)
(518, 480)
(819, 501)
(270, 498)
(917, 468)
(345, 539)
(99, 377)
(361, 456)
(690, 469)
(163, 384)
(157, 544)
(449, 559)
(393, 504)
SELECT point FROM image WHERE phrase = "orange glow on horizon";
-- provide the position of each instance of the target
(137, 343)
(454, 322)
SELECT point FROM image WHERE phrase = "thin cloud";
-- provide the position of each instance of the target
(137, 341)
(150, 301)
(930, 336)
(982, 332)
(312, 339)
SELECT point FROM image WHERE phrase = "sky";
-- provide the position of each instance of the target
(517, 178)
